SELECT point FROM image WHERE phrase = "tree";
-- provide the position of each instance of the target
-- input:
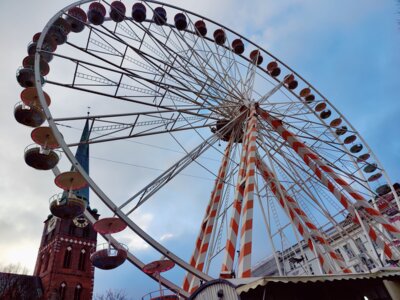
(14, 268)
(16, 284)
(112, 295)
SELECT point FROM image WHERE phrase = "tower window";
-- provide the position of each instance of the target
(63, 288)
(86, 232)
(40, 265)
(67, 257)
(82, 260)
(71, 230)
(78, 292)
(46, 261)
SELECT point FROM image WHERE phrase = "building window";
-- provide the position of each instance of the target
(78, 292)
(357, 268)
(86, 232)
(71, 230)
(311, 270)
(82, 260)
(40, 265)
(349, 251)
(291, 264)
(63, 288)
(360, 245)
(67, 257)
(46, 261)
(48, 237)
(370, 264)
(339, 252)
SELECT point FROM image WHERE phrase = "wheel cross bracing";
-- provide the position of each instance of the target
(285, 142)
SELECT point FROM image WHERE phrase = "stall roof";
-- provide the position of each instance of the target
(245, 284)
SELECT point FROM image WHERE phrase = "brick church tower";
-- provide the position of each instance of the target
(63, 261)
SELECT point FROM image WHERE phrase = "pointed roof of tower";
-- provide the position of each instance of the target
(82, 156)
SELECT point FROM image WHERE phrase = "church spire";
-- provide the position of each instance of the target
(82, 156)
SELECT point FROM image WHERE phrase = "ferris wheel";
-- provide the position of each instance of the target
(215, 116)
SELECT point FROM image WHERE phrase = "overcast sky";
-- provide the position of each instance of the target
(349, 50)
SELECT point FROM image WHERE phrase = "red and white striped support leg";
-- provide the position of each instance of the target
(231, 240)
(320, 169)
(244, 264)
(299, 218)
(202, 240)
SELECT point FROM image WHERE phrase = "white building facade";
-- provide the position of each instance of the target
(348, 239)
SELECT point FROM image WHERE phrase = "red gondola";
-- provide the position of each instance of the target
(320, 106)
(59, 31)
(44, 137)
(29, 62)
(293, 85)
(70, 181)
(200, 27)
(341, 130)
(369, 168)
(374, 177)
(220, 36)
(29, 116)
(117, 11)
(67, 206)
(310, 98)
(356, 148)
(238, 46)
(109, 225)
(26, 77)
(350, 139)
(96, 13)
(39, 158)
(336, 122)
(325, 114)
(180, 21)
(255, 57)
(139, 12)
(305, 92)
(29, 97)
(76, 18)
(160, 16)
(363, 157)
(108, 257)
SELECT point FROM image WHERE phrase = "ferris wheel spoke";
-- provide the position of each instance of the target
(204, 85)
(219, 76)
(323, 136)
(191, 111)
(170, 52)
(265, 98)
(130, 98)
(148, 91)
(177, 91)
(204, 62)
(143, 133)
(219, 59)
(292, 158)
(333, 155)
(144, 194)
(183, 65)
(248, 84)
